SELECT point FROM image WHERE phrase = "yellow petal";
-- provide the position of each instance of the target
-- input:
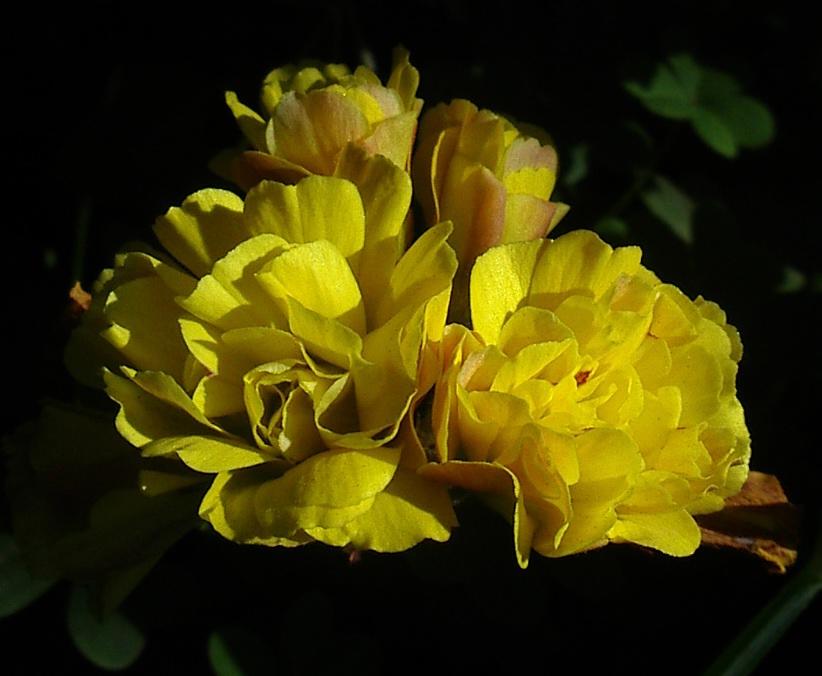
(144, 326)
(201, 231)
(393, 137)
(323, 339)
(153, 406)
(229, 507)
(383, 396)
(410, 509)
(500, 281)
(674, 533)
(386, 196)
(318, 277)
(230, 297)
(251, 124)
(581, 261)
(209, 454)
(697, 374)
(326, 490)
(317, 208)
(217, 397)
(424, 271)
(527, 218)
(404, 79)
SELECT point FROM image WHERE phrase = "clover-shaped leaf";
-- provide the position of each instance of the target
(711, 100)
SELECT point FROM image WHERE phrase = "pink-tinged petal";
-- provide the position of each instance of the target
(312, 129)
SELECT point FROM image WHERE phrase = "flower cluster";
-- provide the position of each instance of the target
(318, 373)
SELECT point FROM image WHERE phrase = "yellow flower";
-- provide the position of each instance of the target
(591, 403)
(313, 113)
(282, 352)
(492, 180)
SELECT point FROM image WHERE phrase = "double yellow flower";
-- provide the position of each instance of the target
(591, 402)
(290, 351)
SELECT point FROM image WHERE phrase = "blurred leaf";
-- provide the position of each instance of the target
(234, 651)
(612, 228)
(750, 121)
(714, 132)
(576, 168)
(672, 90)
(112, 644)
(672, 206)
(663, 99)
(221, 656)
(793, 280)
(711, 100)
(716, 85)
(17, 587)
(687, 72)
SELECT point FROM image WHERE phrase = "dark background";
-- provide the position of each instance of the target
(112, 115)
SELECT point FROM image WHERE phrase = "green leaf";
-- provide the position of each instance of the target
(711, 100)
(688, 74)
(221, 657)
(233, 651)
(577, 166)
(714, 132)
(673, 88)
(792, 280)
(612, 228)
(112, 644)
(672, 206)
(17, 587)
(674, 107)
(750, 121)
(717, 85)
